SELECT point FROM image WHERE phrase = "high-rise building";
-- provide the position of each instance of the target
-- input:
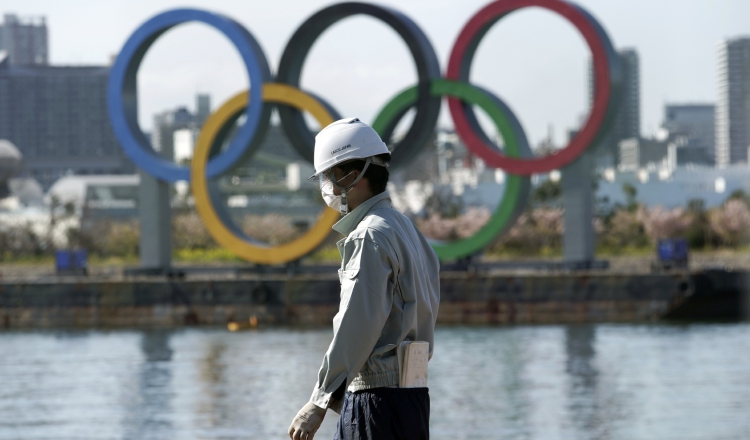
(202, 109)
(637, 153)
(733, 106)
(627, 123)
(57, 117)
(169, 122)
(694, 120)
(166, 124)
(690, 128)
(24, 40)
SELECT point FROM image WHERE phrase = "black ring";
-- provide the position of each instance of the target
(428, 107)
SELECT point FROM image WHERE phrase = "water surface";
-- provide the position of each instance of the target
(627, 382)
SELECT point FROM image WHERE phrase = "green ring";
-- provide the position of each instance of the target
(516, 188)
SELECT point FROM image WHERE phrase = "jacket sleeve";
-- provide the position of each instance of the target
(366, 300)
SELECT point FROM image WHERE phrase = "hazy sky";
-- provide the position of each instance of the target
(533, 58)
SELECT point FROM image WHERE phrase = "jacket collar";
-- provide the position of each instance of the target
(351, 220)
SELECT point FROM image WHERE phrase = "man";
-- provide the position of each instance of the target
(389, 294)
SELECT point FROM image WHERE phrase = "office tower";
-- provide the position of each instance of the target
(202, 109)
(166, 124)
(695, 120)
(627, 123)
(637, 153)
(690, 128)
(181, 120)
(24, 40)
(733, 106)
(57, 117)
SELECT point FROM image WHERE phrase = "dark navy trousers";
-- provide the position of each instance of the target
(385, 414)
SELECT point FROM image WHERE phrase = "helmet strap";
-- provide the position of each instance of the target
(344, 204)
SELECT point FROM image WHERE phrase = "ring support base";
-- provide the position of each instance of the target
(155, 215)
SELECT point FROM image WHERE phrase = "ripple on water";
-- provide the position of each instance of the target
(528, 382)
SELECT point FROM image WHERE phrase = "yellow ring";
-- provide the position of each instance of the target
(279, 94)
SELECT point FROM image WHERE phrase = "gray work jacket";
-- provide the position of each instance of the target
(390, 290)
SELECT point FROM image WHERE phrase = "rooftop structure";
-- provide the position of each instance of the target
(24, 40)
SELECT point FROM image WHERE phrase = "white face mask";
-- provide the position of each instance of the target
(339, 202)
(332, 200)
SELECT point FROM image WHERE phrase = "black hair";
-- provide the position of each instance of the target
(376, 175)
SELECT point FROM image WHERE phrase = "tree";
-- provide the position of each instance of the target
(547, 192)
(739, 194)
(660, 223)
(731, 222)
(699, 232)
(630, 194)
(443, 203)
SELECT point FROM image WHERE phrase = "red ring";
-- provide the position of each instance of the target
(486, 16)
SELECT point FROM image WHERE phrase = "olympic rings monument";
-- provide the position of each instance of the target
(282, 90)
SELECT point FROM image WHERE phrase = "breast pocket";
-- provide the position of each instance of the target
(347, 279)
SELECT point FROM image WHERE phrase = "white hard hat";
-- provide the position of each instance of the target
(344, 140)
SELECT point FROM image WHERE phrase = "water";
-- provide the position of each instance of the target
(546, 382)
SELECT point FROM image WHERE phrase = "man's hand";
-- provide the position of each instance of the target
(307, 422)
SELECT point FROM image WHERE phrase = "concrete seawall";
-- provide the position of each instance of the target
(488, 298)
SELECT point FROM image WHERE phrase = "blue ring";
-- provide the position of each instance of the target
(122, 94)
